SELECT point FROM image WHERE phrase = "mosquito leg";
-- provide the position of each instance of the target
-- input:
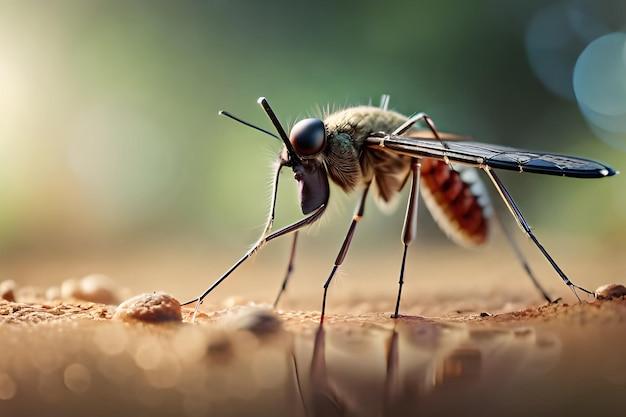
(268, 227)
(345, 246)
(272, 213)
(522, 259)
(431, 126)
(410, 225)
(519, 218)
(292, 257)
(409, 123)
(285, 230)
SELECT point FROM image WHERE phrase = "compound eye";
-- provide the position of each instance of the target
(308, 137)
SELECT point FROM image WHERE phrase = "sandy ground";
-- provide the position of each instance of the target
(475, 338)
(71, 358)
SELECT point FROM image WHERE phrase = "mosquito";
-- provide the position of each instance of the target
(365, 147)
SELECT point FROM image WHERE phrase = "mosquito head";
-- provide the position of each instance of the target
(294, 158)
(308, 137)
(313, 185)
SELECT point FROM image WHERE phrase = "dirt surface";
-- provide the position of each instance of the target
(240, 358)
(585, 313)
(589, 311)
(50, 311)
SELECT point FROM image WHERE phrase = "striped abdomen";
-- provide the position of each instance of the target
(458, 201)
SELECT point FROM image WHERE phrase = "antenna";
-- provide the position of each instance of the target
(243, 122)
(293, 156)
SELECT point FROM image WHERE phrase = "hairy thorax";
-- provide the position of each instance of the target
(348, 162)
(456, 198)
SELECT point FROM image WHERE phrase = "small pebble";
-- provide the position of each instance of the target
(261, 322)
(94, 288)
(153, 307)
(7, 290)
(53, 293)
(99, 289)
(70, 288)
(234, 301)
(609, 291)
(29, 294)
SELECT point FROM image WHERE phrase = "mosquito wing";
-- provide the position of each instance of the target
(501, 157)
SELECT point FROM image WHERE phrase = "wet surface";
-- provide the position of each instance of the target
(248, 360)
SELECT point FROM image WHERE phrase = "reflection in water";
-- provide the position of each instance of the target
(363, 368)
(462, 366)
(390, 393)
(326, 399)
(400, 369)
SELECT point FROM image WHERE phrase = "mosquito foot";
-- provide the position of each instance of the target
(573, 288)
(195, 311)
(584, 290)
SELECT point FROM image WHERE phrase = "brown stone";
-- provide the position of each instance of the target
(7, 290)
(156, 307)
(259, 321)
(95, 288)
(609, 291)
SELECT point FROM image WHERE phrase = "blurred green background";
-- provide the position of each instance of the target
(110, 139)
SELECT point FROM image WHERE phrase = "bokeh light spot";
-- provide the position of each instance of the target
(7, 387)
(111, 339)
(600, 75)
(77, 378)
(148, 354)
(554, 38)
(600, 87)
